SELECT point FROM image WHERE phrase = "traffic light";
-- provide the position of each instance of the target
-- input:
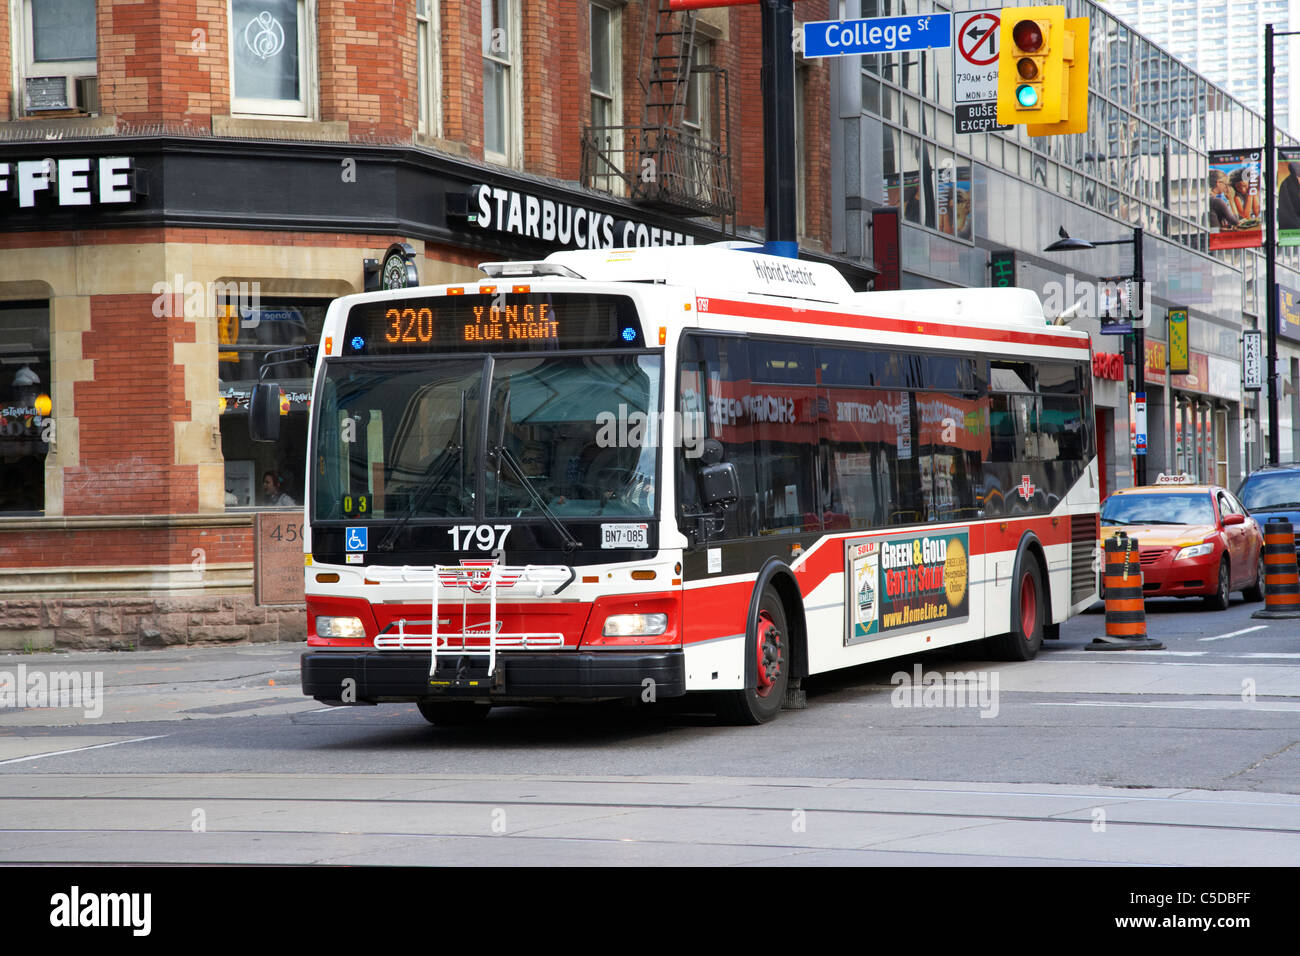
(1032, 50)
(1074, 114)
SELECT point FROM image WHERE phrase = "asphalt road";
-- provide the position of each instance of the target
(1189, 755)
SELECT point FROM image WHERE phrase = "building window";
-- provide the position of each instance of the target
(429, 55)
(26, 425)
(502, 119)
(607, 93)
(265, 474)
(58, 64)
(271, 43)
(697, 116)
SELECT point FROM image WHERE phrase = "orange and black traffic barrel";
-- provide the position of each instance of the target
(1281, 581)
(1126, 618)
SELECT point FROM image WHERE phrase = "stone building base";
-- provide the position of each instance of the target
(126, 623)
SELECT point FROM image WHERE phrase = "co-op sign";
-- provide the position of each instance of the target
(568, 224)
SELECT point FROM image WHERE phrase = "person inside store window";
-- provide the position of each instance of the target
(1221, 214)
(273, 491)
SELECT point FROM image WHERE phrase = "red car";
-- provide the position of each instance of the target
(1193, 540)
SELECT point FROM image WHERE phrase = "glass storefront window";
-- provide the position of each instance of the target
(261, 473)
(25, 405)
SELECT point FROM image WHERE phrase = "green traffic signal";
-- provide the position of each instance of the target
(1027, 96)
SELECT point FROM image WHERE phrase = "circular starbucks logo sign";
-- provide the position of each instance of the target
(397, 272)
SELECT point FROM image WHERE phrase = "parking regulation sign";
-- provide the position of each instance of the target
(975, 70)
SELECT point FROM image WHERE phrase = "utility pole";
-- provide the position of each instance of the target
(1270, 246)
(778, 129)
(1140, 348)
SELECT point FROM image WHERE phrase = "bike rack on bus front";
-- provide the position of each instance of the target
(490, 577)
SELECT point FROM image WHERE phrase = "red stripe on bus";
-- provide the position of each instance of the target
(783, 313)
(720, 610)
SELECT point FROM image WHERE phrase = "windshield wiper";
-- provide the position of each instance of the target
(1285, 504)
(504, 454)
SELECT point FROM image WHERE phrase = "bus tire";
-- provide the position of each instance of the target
(452, 713)
(767, 643)
(1026, 638)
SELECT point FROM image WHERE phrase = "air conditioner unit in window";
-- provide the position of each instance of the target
(88, 94)
(44, 93)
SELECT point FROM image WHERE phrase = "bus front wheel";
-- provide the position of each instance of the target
(767, 643)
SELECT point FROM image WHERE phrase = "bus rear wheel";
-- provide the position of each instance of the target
(768, 644)
(1028, 607)
(452, 713)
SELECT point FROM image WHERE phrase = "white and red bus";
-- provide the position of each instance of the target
(657, 472)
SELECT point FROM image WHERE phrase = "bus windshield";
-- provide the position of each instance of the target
(404, 439)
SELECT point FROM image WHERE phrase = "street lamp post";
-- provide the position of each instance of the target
(1270, 239)
(1067, 244)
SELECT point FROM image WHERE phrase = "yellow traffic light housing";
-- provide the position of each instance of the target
(1074, 117)
(1033, 49)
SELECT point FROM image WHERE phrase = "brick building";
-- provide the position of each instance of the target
(184, 186)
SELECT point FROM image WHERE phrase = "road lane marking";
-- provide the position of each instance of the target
(77, 750)
(1289, 706)
(1098, 656)
(1244, 630)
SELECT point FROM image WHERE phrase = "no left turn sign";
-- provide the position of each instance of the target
(975, 71)
(977, 40)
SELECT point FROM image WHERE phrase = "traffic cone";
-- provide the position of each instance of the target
(1281, 581)
(1126, 618)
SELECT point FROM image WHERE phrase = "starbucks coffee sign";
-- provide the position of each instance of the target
(568, 225)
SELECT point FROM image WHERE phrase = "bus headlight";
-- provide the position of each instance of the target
(340, 627)
(635, 625)
(1195, 551)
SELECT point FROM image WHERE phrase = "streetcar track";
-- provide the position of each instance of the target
(980, 819)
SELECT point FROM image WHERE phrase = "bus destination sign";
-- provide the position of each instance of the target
(498, 322)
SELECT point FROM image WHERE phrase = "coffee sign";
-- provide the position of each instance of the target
(77, 181)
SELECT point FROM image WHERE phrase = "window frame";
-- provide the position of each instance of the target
(303, 108)
(25, 66)
(612, 182)
(513, 62)
(428, 41)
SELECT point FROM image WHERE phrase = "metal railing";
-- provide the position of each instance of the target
(674, 169)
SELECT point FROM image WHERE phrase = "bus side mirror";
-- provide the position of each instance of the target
(264, 412)
(719, 485)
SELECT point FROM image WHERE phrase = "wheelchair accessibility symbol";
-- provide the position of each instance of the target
(355, 539)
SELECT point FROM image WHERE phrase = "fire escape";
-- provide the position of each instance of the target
(678, 160)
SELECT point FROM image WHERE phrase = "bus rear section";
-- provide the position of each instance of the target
(485, 499)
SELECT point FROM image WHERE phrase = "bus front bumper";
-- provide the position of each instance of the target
(371, 677)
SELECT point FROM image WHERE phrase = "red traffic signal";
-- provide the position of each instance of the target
(1027, 35)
